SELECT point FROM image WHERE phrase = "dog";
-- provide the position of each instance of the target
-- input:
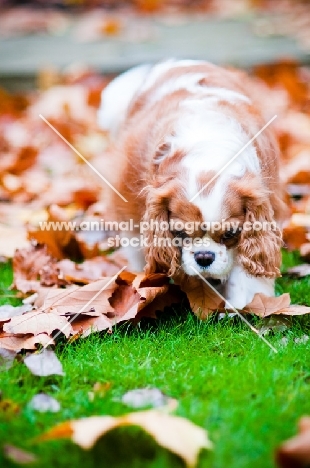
(190, 155)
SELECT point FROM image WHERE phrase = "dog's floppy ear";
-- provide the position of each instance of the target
(259, 249)
(161, 255)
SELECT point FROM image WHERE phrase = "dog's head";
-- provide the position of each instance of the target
(207, 225)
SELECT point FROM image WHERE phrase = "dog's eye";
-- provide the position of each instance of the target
(230, 234)
(182, 234)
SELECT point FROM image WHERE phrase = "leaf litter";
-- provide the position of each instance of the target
(66, 267)
(44, 363)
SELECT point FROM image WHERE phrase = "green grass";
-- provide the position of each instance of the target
(225, 379)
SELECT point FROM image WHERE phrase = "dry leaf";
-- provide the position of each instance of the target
(84, 325)
(294, 236)
(8, 311)
(155, 294)
(294, 310)
(295, 452)
(36, 323)
(166, 297)
(44, 403)
(124, 300)
(12, 239)
(27, 267)
(44, 363)
(26, 286)
(203, 300)
(263, 306)
(75, 299)
(142, 397)
(19, 456)
(89, 270)
(299, 271)
(174, 433)
(19, 342)
(60, 243)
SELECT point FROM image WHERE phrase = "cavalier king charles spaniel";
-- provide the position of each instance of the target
(208, 198)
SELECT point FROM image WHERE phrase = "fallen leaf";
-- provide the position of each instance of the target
(124, 300)
(8, 311)
(37, 322)
(89, 299)
(27, 266)
(44, 363)
(294, 310)
(142, 397)
(30, 299)
(44, 403)
(166, 297)
(263, 306)
(174, 433)
(6, 359)
(294, 236)
(89, 270)
(299, 271)
(26, 286)
(17, 455)
(12, 239)
(84, 325)
(19, 342)
(203, 300)
(295, 452)
(60, 243)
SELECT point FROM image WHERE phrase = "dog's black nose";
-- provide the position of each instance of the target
(204, 259)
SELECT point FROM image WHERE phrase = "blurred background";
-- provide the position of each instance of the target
(113, 35)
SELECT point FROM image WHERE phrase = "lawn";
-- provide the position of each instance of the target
(224, 377)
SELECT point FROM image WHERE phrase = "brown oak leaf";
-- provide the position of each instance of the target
(263, 306)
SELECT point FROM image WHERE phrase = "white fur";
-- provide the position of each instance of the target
(117, 96)
(211, 147)
(190, 82)
(219, 269)
(161, 68)
(241, 288)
